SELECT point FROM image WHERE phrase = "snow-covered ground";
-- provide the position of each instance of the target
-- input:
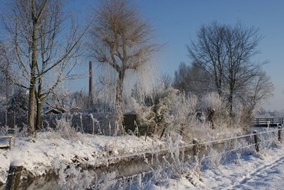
(55, 150)
(256, 171)
(49, 150)
(263, 170)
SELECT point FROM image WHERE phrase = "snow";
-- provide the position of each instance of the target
(248, 170)
(264, 170)
(49, 150)
(268, 177)
(16, 163)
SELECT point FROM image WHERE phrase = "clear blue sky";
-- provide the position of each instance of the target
(176, 22)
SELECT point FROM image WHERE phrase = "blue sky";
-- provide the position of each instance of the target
(176, 22)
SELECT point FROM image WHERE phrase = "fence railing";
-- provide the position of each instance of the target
(273, 121)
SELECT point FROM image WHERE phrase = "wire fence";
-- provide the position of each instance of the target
(174, 159)
(169, 161)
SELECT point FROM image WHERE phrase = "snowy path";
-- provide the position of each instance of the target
(264, 170)
(267, 177)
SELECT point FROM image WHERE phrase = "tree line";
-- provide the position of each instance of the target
(44, 43)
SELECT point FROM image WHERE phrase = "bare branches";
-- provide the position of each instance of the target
(120, 39)
(44, 40)
(225, 52)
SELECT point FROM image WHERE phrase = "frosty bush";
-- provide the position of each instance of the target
(157, 115)
(170, 112)
(162, 107)
(212, 101)
(184, 110)
(65, 130)
(243, 117)
(214, 158)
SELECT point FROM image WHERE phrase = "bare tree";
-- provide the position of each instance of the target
(54, 56)
(258, 90)
(120, 39)
(225, 52)
(41, 45)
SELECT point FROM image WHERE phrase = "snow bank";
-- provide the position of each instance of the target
(48, 150)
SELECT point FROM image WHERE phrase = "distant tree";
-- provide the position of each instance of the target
(182, 78)
(190, 79)
(79, 100)
(43, 41)
(225, 52)
(259, 89)
(120, 40)
(167, 80)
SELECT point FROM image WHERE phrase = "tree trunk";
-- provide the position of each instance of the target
(218, 81)
(38, 103)
(230, 102)
(38, 113)
(119, 102)
(31, 109)
(231, 97)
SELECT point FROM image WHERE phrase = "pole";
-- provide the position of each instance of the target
(91, 83)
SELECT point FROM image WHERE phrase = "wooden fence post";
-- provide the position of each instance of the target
(195, 147)
(256, 141)
(14, 176)
(279, 133)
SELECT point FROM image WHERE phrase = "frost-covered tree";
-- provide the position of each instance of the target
(44, 40)
(225, 52)
(120, 39)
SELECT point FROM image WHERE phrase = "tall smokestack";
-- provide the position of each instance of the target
(91, 83)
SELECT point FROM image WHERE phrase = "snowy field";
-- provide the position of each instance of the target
(257, 171)
(247, 169)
